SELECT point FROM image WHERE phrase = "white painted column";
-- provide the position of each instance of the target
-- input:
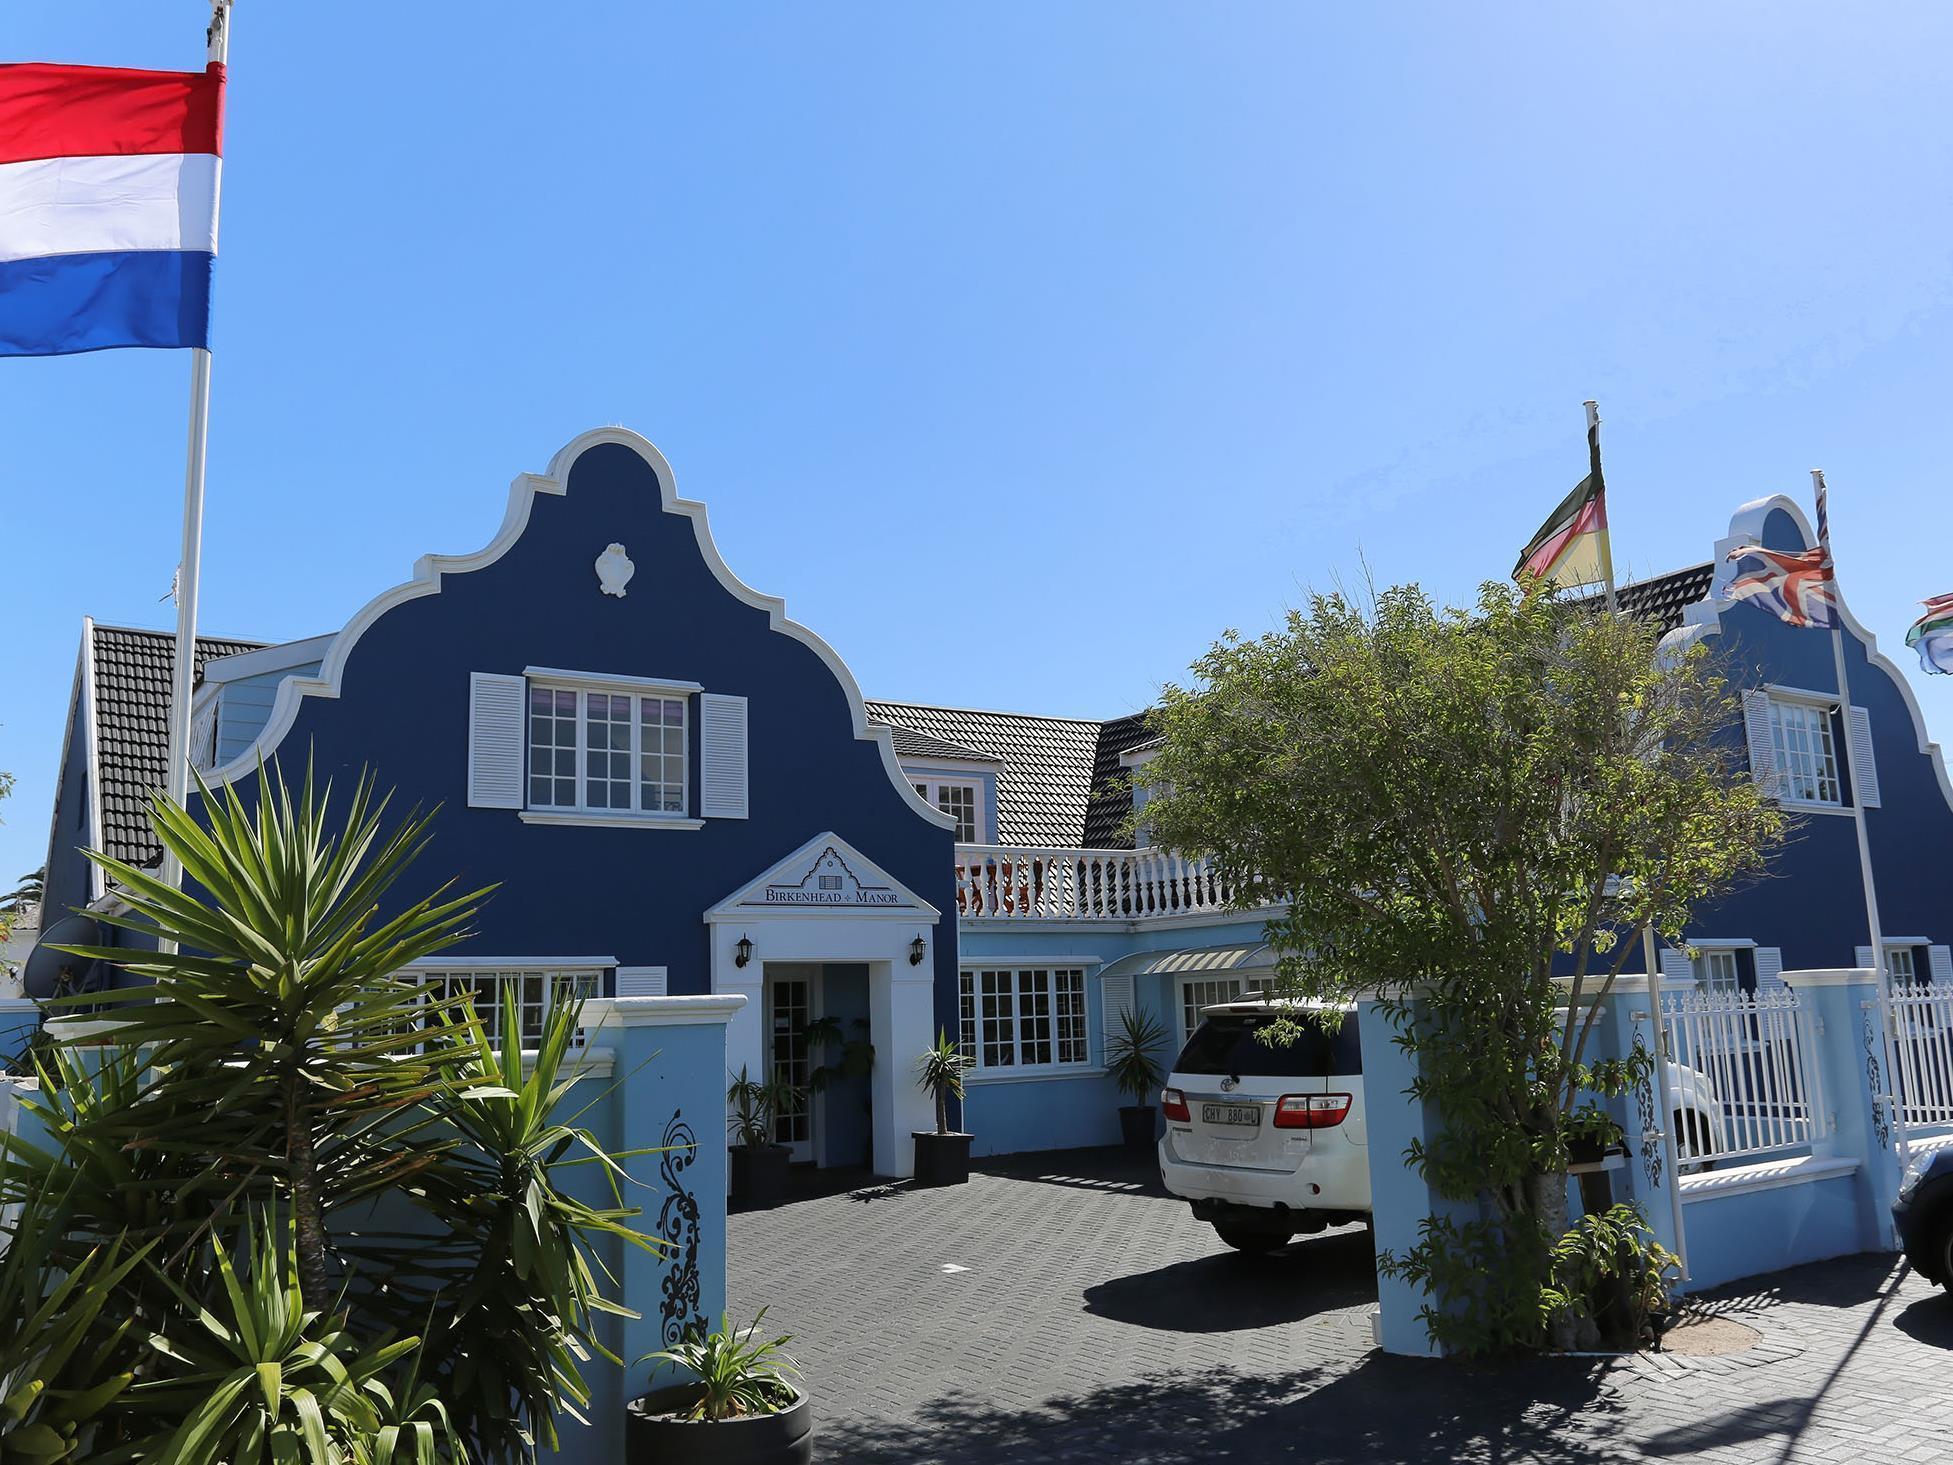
(902, 1011)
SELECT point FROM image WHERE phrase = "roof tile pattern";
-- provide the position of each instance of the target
(912, 744)
(132, 673)
(1111, 803)
(1663, 598)
(1045, 782)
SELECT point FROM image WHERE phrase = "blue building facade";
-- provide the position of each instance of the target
(677, 790)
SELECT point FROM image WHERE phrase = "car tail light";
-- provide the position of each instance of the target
(1311, 1111)
(1173, 1104)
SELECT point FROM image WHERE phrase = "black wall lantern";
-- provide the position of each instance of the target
(743, 952)
(916, 951)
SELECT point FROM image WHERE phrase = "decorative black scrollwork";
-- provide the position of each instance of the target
(1872, 1076)
(679, 1312)
(1652, 1160)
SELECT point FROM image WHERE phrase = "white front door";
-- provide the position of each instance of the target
(789, 1008)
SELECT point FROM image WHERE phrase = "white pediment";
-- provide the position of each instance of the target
(825, 875)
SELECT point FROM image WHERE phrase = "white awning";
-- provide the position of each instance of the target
(1243, 959)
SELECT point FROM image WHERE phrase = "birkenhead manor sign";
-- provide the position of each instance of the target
(831, 883)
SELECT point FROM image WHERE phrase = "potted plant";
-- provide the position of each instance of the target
(1129, 1060)
(942, 1157)
(758, 1165)
(741, 1406)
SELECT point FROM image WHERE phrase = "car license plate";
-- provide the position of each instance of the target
(1248, 1115)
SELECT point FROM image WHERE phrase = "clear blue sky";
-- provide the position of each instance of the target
(1021, 348)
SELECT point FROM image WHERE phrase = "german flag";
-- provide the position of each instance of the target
(1571, 547)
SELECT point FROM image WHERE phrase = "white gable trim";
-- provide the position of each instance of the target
(91, 748)
(429, 569)
(768, 897)
(1704, 618)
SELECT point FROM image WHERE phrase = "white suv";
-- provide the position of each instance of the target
(1268, 1141)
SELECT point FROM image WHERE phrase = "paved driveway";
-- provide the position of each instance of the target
(1063, 1307)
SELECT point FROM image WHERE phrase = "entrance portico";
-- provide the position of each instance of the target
(828, 903)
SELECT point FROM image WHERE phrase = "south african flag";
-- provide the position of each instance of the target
(1932, 634)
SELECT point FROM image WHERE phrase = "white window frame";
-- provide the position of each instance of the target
(1893, 953)
(975, 1042)
(1822, 711)
(1707, 961)
(930, 787)
(1240, 986)
(638, 690)
(552, 976)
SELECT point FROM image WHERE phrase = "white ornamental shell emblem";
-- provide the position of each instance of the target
(614, 570)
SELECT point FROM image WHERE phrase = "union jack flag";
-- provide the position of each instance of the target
(1798, 589)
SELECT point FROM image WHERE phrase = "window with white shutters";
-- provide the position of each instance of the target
(723, 792)
(495, 741)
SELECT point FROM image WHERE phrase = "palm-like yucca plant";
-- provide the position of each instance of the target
(276, 1063)
(1129, 1054)
(62, 1348)
(265, 1375)
(278, 1021)
(940, 1074)
(734, 1371)
(517, 1248)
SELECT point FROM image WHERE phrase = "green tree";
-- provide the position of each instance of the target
(1450, 805)
(322, 1167)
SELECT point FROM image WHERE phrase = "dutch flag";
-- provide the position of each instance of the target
(108, 207)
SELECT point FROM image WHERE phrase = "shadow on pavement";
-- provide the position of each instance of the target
(1228, 1292)
(1929, 1321)
(1387, 1409)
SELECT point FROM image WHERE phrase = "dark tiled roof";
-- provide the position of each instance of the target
(132, 708)
(1045, 782)
(1663, 598)
(912, 744)
(1111, 802)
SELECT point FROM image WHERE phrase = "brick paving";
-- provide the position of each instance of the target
(1093, 1320)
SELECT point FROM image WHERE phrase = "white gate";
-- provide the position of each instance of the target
(1922, 1047)
(1746, 1082)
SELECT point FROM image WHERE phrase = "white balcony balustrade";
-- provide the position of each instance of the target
(1053, 884)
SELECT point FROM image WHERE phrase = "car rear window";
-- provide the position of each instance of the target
(1234, 1045)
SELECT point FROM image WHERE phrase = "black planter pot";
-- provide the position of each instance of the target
(759, 1176)
(941, 1159)
(653, 1437)
(1136, 1127)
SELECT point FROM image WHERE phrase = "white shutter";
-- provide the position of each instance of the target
(1676, 968)
(495, 741)
(641, 981)
(1864, 766)
(722, 756)
(1115, 993)
(1769, 968)
(1763, 752)
(1939, 963)
(1862, 956)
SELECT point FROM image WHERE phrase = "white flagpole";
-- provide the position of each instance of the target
(1879, 971)
(189, 573)
(1606, 533)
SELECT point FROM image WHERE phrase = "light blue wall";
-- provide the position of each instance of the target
(244, 707)
(666, 1097)
(1009, 1116)
(1742, 1235)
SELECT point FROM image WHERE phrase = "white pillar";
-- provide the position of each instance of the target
(902, 1012)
